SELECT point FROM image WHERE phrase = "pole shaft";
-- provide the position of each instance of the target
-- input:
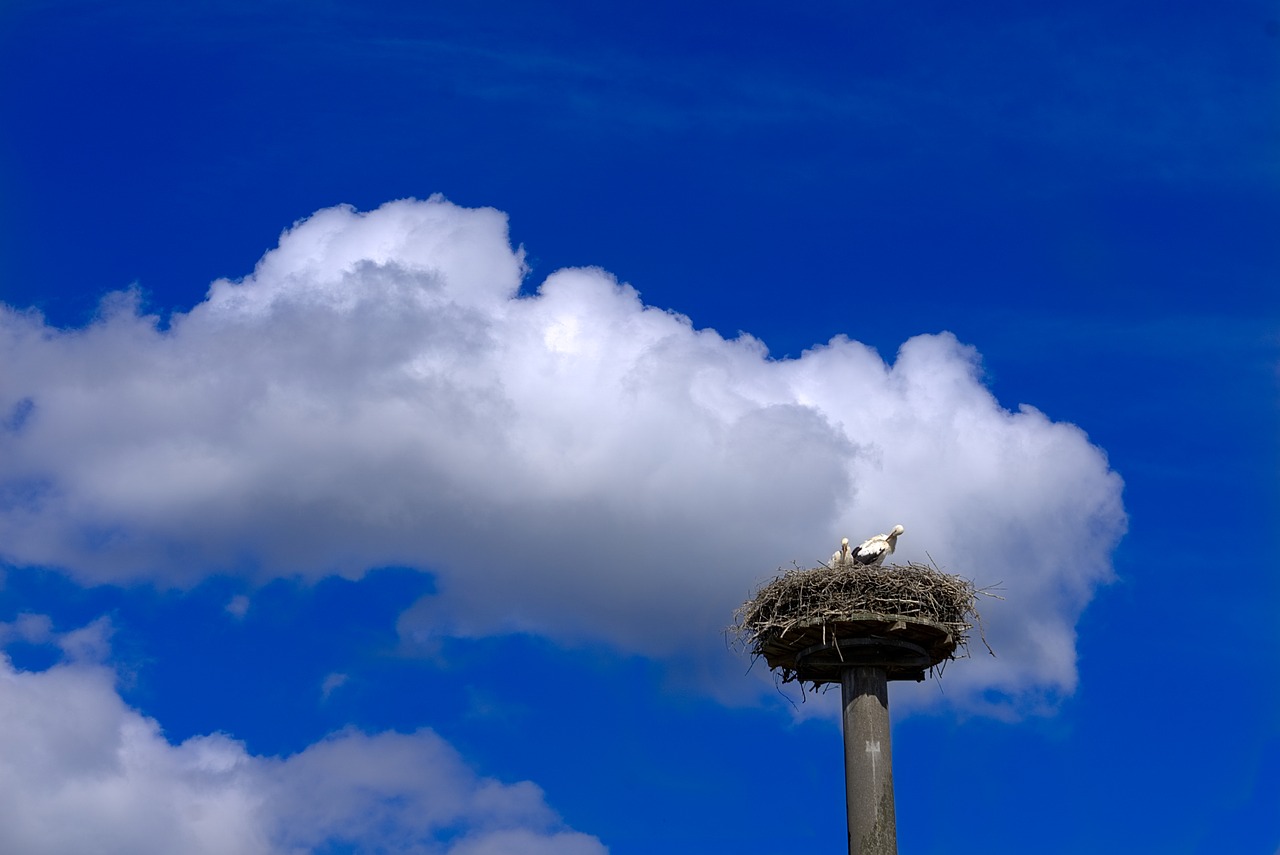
(868, 762)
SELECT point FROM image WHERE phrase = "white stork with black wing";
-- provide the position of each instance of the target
(874, 550)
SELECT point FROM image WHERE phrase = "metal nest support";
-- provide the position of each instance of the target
(861, 627)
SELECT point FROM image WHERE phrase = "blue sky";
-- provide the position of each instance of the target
(412, 525)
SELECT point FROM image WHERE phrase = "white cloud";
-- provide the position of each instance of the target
(331, 683)
(89, 643)
(27, 627)
(574, 463)
(237, 606)
(82, 772)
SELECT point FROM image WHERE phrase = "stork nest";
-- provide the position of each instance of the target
(801, 610)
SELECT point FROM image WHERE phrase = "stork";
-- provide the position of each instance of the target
(872, 551)
(842, 558)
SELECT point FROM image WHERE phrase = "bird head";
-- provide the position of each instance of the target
(897, 530)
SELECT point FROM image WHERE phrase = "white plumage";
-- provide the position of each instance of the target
(842, 557)
(874, 550)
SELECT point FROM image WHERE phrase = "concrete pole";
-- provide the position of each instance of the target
(868, 761)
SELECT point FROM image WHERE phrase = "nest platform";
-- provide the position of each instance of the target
(810, 625)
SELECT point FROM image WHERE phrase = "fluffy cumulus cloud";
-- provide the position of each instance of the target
(80, 771)
(572, 462)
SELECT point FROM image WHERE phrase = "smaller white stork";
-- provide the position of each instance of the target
(873, 551)
(843, 557)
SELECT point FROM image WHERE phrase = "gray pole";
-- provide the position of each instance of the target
(868, 761)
